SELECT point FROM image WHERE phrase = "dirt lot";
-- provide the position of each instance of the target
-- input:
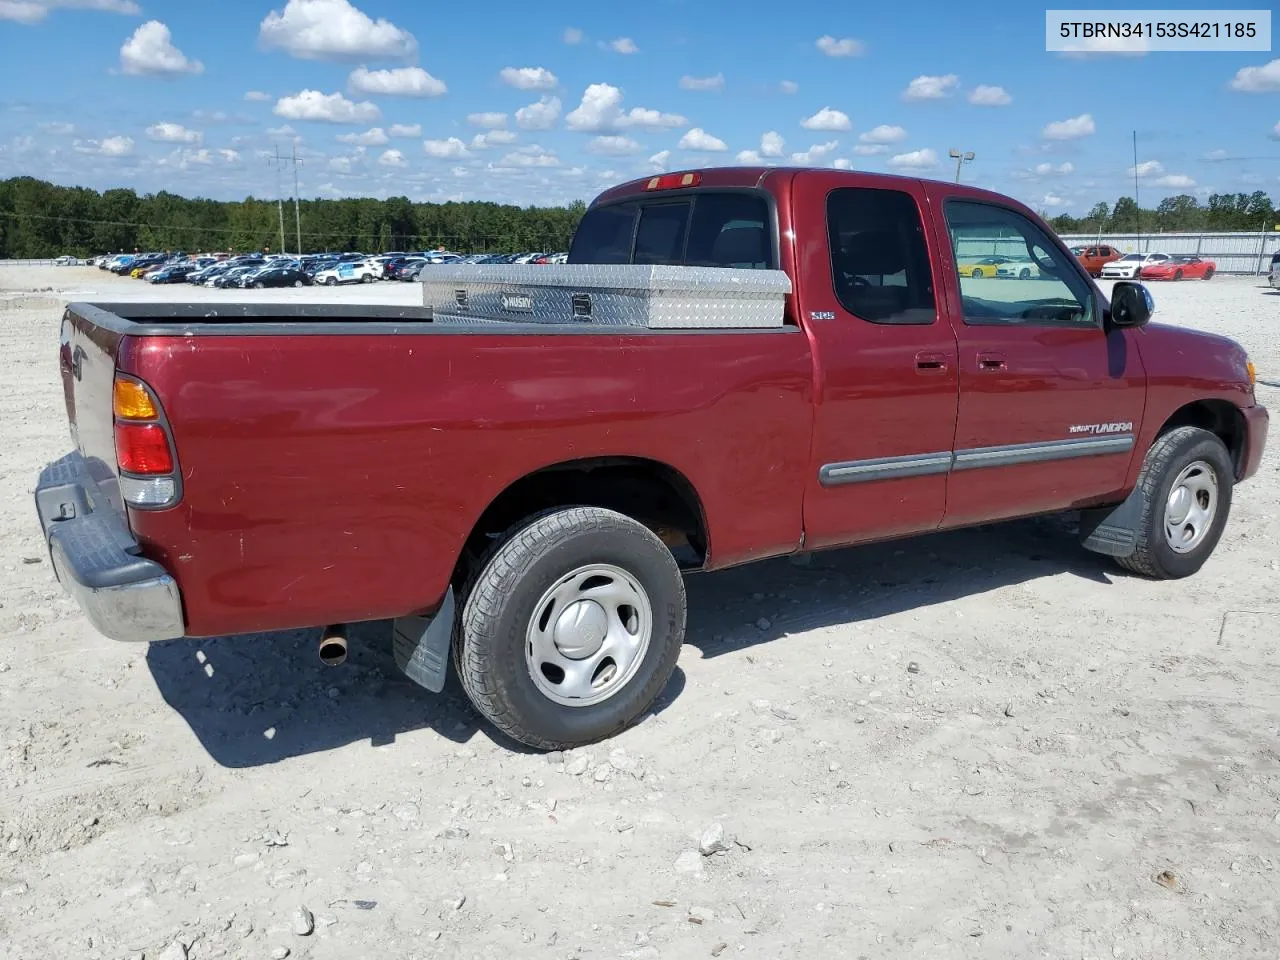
(981, 744)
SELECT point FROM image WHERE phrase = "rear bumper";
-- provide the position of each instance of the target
(97, 561)
(1256, 420)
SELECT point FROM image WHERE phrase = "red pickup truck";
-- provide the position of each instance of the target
(522, 498)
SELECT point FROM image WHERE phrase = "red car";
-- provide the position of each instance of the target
(1180, 268)
(521, 472)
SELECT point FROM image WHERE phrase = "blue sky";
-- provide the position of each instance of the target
(545, 103)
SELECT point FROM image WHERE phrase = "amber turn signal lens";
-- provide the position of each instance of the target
(1253, 373)
(132, 402)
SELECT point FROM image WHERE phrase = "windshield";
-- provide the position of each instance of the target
(1132, 256)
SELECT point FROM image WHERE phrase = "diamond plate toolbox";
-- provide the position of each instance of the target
(654, 297)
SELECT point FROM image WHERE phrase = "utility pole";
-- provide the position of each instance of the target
(961, 159)
(297, 216)
(1137, 204)
(278, 164)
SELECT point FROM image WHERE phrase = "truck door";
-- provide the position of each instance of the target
(1050, 402)
(885, 362)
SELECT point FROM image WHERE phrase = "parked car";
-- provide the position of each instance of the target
(499, 490)
(66, 261)
(1273, 278)
(1129, 266)
(1094, 258)
(286, 276)
(172, 273)
(981, 267)
(406, 269)
(1180, 268)
(231, 278)
(1021, 268)
(346, 272)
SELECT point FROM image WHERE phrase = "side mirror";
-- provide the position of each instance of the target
(1131, 304)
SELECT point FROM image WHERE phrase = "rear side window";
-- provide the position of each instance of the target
(704, 229)
(879, 261)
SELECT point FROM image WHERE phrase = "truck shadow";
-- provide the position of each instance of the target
(258, 699)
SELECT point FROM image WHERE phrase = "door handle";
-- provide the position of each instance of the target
(931, 363)
(991, 362)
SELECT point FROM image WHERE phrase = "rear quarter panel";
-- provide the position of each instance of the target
(333, 478)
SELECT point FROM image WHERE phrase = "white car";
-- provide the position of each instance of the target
(1130, 265)
(346, 273)
(1021, 268)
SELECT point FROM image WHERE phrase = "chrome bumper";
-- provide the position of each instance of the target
(97, 561)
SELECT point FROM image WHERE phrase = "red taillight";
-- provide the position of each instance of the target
(142, 448)
(673, 181)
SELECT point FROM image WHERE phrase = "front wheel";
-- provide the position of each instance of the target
(1186, 485)
(572, 628)
(1177, 274)
(1208, 273)
(297, 283)
(977, 273)
(331, 282)
(1024, 274)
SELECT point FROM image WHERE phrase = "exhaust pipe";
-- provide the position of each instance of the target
(333, 645)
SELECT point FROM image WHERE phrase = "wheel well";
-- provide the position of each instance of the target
(1219, 417)
(650, 492)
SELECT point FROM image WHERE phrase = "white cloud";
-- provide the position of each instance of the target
(1175, 181)
(376, 137)
(1222, 154)
(659, 159)
(931, 88)
(870, 149)
(257, 96)
(1073, 129)
(483, 141)
(1045, 169)
(1088, 47)
(110, 147)
(624, 45)
(842, 163)
(883, 134)
(987, 96)
(33, 11)
(572, 35)
(771, 144)
(601, 112)
(150, 52)
(614, 146)
(451, 148)
(539, 116)
(702, 83)
(325, 108)
(184, 159)
(172, 133)
(848, 47)
(530, 156)
(1275, 135)
(1051, 200)
(333, 30)
(789, 86)
(699, 140)
(397, 82)
(1148, 168)
(1263, 79)
(58, 128)
(490, 121)
(915, 160)
(392, 158)
(282, 131)
(815, 153)
(231, 156)
(748, 156)
(410, 130)
(827, 119)
(528, 78)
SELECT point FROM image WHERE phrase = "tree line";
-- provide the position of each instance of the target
(1220, 213)
(39, 220)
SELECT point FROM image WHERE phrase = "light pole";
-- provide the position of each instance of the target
(960, 159)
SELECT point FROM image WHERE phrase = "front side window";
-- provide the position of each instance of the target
(879, 259)
(1038, 283)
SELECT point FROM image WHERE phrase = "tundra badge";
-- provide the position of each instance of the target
(1097, 428)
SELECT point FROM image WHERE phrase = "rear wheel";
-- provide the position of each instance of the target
(977, 273)
(297, 283)
(571, 628)
(367, 278)
(1177, 274)
(1024, 274)
(1186, 486)
(1208, 273)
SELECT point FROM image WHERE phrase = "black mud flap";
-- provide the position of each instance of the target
(1113, 530)
(421, 645)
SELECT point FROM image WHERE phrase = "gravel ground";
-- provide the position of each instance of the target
(981, 744)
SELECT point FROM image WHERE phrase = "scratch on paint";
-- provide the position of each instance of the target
(242, 546)
(291, 583)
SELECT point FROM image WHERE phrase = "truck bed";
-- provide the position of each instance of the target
(335, 459)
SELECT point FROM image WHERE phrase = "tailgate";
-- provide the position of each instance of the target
(87, 363)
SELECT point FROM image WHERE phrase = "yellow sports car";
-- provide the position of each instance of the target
(986, 267)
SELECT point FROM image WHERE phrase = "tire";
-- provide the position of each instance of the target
(977, 274)
(331, 281)
(366, 278)
(563, 550)
(297, 283)
(257, 286)
(1024, 274)
(1208, 273)
(1172, 455)
(1177, 274)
